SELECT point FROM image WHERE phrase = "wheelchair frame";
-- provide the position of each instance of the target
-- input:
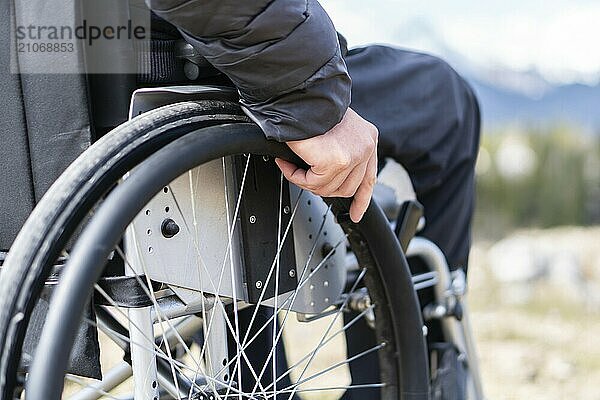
(450, 305)
(427, 252)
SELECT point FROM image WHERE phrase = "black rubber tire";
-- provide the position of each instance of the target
(98, 169)
(49, 226)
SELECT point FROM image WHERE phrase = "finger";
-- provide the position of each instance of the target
(310, 180)
(362, 198)
(330, 189)
(292, 172)
(304, 179)
(349, 187)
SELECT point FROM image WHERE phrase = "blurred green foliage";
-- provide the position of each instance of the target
(537, 178)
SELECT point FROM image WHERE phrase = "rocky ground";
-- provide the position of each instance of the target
(536, 314)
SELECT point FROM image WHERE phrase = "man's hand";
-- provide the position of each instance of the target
(343, 162)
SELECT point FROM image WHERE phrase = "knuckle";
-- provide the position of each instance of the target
(342, 161)
(371, 181)
(340, 156)
(370, 145)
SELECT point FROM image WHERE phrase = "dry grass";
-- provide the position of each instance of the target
(546, 348)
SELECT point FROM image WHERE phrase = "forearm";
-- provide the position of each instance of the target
(282, 55)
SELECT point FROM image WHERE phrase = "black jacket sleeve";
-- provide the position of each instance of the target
(283, 56)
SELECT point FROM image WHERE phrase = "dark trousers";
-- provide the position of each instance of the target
(428, 120)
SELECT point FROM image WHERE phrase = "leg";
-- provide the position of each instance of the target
(428, 119)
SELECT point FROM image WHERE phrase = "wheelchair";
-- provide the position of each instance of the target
(173, 260)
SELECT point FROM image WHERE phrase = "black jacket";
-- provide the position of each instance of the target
(283, 56)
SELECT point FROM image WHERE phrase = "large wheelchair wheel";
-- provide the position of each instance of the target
(201, 302)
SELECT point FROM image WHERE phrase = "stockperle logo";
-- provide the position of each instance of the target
(78, 36)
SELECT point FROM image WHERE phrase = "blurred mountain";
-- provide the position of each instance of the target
(508, 96)
(575, 104)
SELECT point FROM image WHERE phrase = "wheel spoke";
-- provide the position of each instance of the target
(179, 366)
(157, 308)
(263, 291)
(321, 389)
(336, 315)
(156, 349)
(231, 228)
(227, 252)
(294, 387)
(275, 310)
(295, 293)
(290, 298)
(329, 339)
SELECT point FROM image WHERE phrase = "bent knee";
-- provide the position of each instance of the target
(450, 86)
(454, 112)
(457, 103)
(425, 110)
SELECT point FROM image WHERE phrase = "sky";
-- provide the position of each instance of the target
(558, 38)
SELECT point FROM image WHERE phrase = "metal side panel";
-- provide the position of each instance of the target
(265, 195)
(145, 99)
(204, 229)
(196, 257)
(328, 276)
